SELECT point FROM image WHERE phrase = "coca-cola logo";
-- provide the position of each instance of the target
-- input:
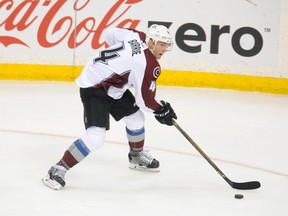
(23, 16)
(54, 27)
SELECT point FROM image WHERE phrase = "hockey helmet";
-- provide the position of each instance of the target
(159, 33)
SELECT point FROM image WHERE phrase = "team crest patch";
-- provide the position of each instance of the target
(156, 72)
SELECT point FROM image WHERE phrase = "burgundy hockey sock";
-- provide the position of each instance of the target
(136, 139)
(75, 153)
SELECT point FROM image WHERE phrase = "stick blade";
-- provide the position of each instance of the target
(246, 185)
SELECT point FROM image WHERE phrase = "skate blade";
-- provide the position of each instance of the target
(142, 168)
(51, 183)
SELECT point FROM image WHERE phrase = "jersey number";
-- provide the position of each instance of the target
(106, 55)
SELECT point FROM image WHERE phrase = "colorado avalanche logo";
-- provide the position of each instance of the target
(156, 72)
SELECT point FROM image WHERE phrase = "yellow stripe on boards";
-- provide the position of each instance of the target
(37, 72)
(224, 81)
(168, 77)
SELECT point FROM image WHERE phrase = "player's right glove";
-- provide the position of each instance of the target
(165, 114)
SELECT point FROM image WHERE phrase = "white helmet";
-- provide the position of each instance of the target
(159, 33)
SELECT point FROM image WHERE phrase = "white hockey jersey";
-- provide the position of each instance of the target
(125, 64)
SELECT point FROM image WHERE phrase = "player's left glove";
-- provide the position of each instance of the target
(165, 114)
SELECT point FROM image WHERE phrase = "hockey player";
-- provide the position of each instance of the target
(129, 61)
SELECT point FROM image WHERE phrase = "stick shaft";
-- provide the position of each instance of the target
(199, 149)
(241, 186)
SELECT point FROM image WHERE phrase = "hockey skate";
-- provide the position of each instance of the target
(55, 178)
(143, 161)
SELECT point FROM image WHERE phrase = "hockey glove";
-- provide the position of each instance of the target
(165, 114)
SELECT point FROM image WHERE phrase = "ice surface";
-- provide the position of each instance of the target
(245, 134)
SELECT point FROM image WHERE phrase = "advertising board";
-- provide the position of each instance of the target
(231, 37)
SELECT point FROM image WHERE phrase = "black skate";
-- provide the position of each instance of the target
(55, 178)
(143, 161)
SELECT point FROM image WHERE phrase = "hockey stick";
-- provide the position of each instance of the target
(241, 186)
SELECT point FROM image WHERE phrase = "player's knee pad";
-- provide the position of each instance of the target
(94, 137)
(135, 121)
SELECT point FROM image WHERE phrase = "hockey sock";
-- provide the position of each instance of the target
(136, 139)
(92, 139)
(75, 153)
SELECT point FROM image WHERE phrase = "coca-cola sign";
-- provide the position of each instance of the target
(70, 31)
(47, 17)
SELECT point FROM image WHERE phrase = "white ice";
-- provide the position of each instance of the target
(245, 134)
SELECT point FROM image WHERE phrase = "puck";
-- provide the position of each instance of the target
(238, 196)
